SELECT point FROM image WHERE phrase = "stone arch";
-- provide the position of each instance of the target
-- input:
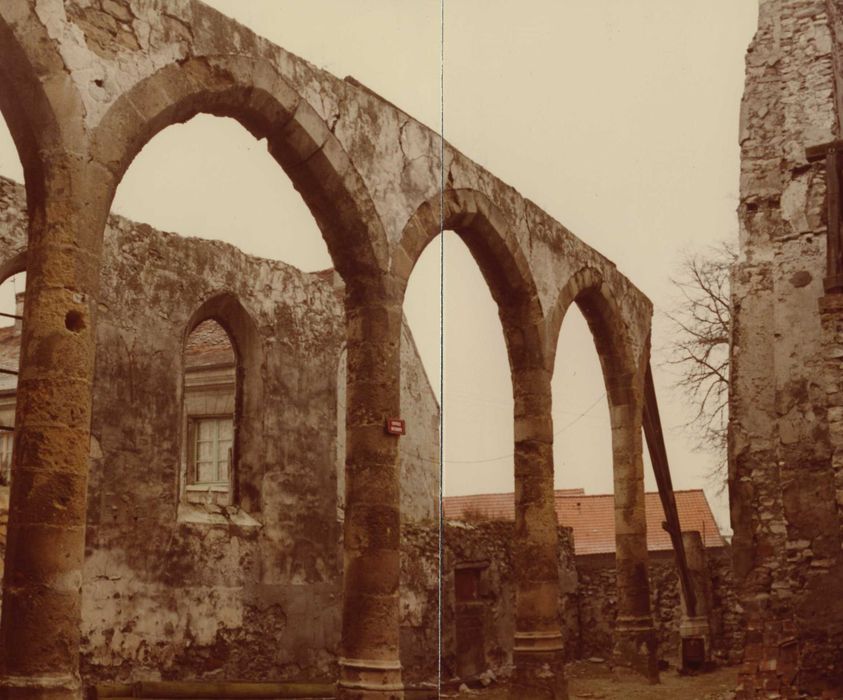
(588, 290)
(635, 639)
(13, 266)
(227, 310)
(537, 643)
(484, 230)
(252, 92)
(36, 128)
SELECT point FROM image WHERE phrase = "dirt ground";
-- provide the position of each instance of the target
(595, 681)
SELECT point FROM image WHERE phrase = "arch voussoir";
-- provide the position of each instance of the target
(300, 138)
(255, 94)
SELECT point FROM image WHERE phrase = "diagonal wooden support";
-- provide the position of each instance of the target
(833, 282)
(658, 456)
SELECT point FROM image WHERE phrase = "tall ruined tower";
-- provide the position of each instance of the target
(786, 426)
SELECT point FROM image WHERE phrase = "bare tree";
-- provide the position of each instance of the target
(700, 323)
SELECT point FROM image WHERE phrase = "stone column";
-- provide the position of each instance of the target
(42, 583)
(635, 634)
(370, 666)
(696, 630)
(538, 649)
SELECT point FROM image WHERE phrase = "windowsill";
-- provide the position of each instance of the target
(213, 514)
(216, 487)
(211, 494)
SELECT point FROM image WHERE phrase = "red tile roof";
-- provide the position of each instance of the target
(490, 506)
(207, 345)
(593, 517)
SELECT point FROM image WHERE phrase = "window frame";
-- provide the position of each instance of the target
(192, 482)
(224, 308)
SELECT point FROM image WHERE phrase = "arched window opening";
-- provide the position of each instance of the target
(210, 415)
(12, 292)
(210, 178)
(582, 443)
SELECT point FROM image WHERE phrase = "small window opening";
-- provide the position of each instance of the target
(210, 390)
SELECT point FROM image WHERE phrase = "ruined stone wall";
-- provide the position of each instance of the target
(189, 594)
(419, 601)
(248, 591)
(597, 606)
(490, 545)
(784, 511)
(90, 82)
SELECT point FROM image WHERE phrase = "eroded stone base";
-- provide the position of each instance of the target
(636, 647)
(370, 680)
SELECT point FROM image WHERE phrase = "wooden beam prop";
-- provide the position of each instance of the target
(658, 456)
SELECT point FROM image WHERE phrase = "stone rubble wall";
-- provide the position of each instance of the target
(597, 601)
(784, 400)
(489, 543)
(588, 598)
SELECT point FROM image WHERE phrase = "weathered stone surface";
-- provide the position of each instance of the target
(784, 384)
(88, 82)
(597, 602)
(491, 547)
(252, 590)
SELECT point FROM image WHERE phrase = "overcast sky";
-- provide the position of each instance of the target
(618, 117)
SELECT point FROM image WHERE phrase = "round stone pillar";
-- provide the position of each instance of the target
(635, 643)
(370, 666)
(538, 649)
(42, 584)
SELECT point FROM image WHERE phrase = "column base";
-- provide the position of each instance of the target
(539, 667)
(636, 646)
(40, 688)
(370, 679)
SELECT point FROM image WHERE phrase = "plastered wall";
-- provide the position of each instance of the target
(249, 591)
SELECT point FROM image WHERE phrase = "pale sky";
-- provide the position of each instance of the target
(618, 117)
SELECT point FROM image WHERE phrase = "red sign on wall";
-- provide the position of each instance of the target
(396, 426)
